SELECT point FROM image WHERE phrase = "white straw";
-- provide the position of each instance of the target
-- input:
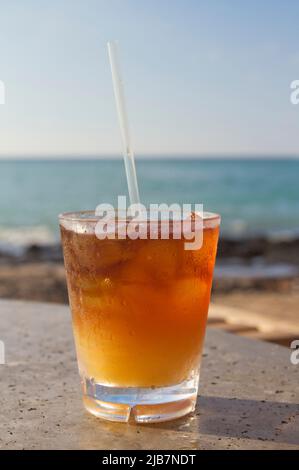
(123, 122)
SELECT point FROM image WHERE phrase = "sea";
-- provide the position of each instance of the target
(253, 195)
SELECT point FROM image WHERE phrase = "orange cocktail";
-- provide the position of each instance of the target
(139, 308)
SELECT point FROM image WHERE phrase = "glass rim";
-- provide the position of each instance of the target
(88, 216)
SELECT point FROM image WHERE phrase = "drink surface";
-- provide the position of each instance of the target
(139, 307)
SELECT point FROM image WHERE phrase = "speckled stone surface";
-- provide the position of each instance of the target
(249, 393)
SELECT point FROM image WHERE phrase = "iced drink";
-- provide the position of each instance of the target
(139, 310)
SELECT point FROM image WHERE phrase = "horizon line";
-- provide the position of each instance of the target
(152, 156)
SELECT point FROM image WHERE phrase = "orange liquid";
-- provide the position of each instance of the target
(139, 307)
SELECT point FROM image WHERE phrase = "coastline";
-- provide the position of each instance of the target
(243, 264)
(255, 278)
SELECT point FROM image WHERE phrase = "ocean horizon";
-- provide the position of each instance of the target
(253, 195)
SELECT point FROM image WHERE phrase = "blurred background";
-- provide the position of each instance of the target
(208, 91)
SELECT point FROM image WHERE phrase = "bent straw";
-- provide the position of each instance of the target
(123, 122)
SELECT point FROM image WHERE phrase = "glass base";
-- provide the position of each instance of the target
(143, 405)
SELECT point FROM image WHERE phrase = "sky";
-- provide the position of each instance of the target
(201, 77)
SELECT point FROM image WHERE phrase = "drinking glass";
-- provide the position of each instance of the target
(139, 310)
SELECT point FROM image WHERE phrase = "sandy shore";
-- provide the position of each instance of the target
(45, 281)
(269, 304)
(258, 274)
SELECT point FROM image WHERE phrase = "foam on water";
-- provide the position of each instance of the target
(20, 236)
(15, 240)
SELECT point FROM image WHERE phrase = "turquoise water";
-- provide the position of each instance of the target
(251, 195)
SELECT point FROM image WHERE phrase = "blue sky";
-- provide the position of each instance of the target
(201, 77)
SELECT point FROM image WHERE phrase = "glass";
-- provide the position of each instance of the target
(139, 310)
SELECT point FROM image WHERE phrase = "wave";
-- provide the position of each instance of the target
(15, 240)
